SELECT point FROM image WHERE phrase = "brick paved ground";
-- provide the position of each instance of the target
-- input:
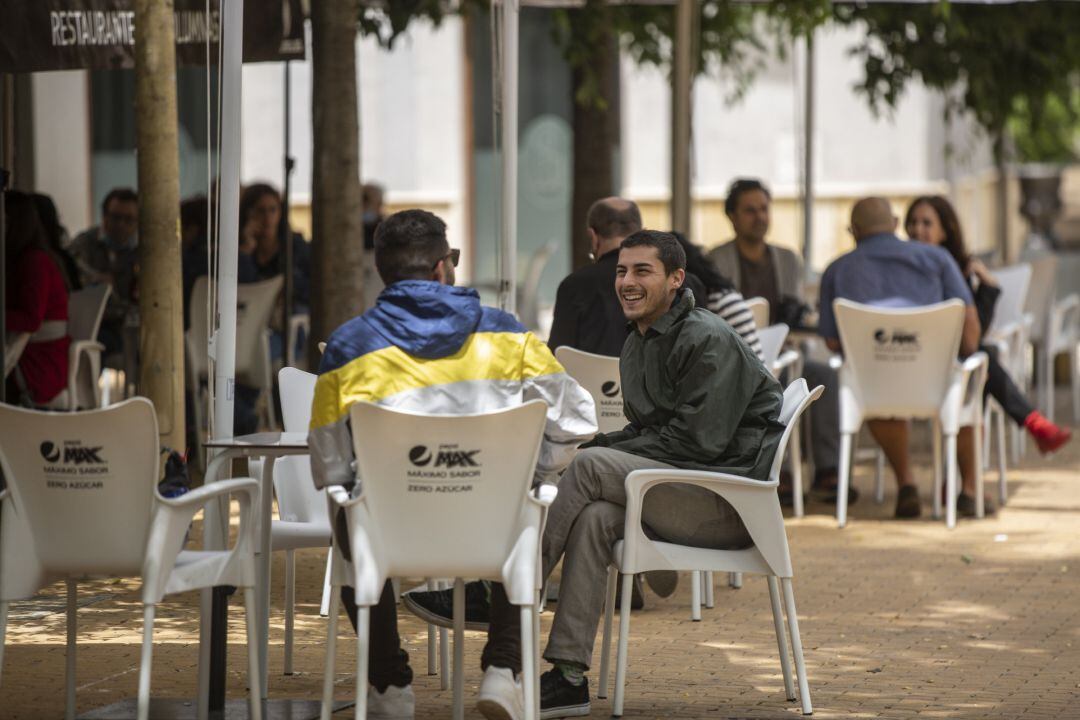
(899, 619)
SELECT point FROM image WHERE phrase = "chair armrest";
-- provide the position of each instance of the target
(973, 362)
(201, 495)
(3, 494)
(338, 494)
(836, 362)
(545, 494)
(787, 359)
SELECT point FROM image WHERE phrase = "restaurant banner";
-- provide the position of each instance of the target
(40, 35)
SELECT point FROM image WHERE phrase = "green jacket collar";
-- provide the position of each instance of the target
(684, 303)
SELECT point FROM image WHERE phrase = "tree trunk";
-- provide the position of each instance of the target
(336, 228)
(597, 131)
(161, 358)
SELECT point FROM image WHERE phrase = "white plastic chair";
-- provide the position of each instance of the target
(901, 363)
(109, 523)
(759, 308)
(197, 361)
(599, 375)
(299, 324)
(1062, 337)
(304, 515)
(410, 521)
(86, 307)
(1008, 332)
(16, 343)
(780, 361)
(1038, 309)
(758, 505)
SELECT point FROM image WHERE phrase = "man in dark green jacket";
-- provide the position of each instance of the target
(697, 397)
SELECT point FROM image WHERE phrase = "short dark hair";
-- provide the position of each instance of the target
(409, 244)
(610, 218)
(667, 246)
(740, 187)
(252, 195)
(121, 194)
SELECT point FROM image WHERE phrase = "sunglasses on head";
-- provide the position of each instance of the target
(453, 256)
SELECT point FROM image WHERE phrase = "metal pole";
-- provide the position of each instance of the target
(7, 105)
(508, 270)
(285, 231)
(681, 114)
(808, 158)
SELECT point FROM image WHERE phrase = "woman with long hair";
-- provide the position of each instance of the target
(720, 295)
(37, 303)
(931, 219)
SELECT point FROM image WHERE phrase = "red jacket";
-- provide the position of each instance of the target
(38, 294)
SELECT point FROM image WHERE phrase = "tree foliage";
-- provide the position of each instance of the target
(1014, 67)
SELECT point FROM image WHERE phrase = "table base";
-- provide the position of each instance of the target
(179, 709)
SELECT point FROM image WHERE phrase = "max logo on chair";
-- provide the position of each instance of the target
(74, 453)
(610, 389)
(448, 456)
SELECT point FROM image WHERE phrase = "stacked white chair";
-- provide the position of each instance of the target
(405, 522)
(86, 307)
(901, 363)
(56, 525)
(1008, 333)
(758, 505)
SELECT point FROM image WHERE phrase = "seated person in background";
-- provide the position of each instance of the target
(262, 253)
(709, 404)
(932, 220)
(371, 198)
(762, 269)
(421, 334)
(56, 239)
(108, 253)
(36, 303)
(194, 262)
(587, 313)
(717, 294)
(884, 270)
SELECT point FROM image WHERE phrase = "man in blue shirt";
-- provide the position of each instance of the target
(886, 271)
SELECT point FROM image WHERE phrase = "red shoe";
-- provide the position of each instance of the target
(1048, 436)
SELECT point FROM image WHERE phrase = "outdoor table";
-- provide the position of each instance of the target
(270, 446)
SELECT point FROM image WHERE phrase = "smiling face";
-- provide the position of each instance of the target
(925, 226)
(644, 288)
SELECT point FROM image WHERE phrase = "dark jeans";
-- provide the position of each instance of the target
(388, 663)
(1002, 388)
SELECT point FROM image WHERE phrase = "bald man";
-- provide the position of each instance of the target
(587, 312)
(887, 271)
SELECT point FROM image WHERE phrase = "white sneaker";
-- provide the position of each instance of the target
(397, 703)
(501, 696)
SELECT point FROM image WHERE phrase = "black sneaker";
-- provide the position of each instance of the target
(560, 699)
(907, 502)
(437, 606)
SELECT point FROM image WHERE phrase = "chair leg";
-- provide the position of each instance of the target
(290, 608)
(254, 668)
(843, 479)
(536, 660)
(444, 651)
(735, 580)
(609, 616)
(145, 662)
(879, 477)
(781, 636)
(936, 433)
(1003, 490)
(328, 665)
(950, 482)
(3, 632)
(795, 450)
(695, 595)
(202, 711)
(1075, 381)
(528, 661)
(796, 646)
(459, 649)
(363, 637)
(624, 636)
(710, 600)
(432, 643)
(980, 509)
(72, 628)
(327, 591)
(1048, 381)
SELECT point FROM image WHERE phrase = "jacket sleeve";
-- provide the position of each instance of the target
(31, 294)
(716, 385)
(571, 414)
(329, 436)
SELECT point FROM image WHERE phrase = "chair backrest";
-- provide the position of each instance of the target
(86, 307)
(529, 290)
(899, 361)
(772, 342)
(297, 391)
(198, 332)
(797, 397)
(599, 375)
(759, 308)
(445, 494)
(1014, 281)
(82, 491)
(254, 305)
(1041, 293)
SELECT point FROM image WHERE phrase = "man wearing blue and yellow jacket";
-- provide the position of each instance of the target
(428, 346)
